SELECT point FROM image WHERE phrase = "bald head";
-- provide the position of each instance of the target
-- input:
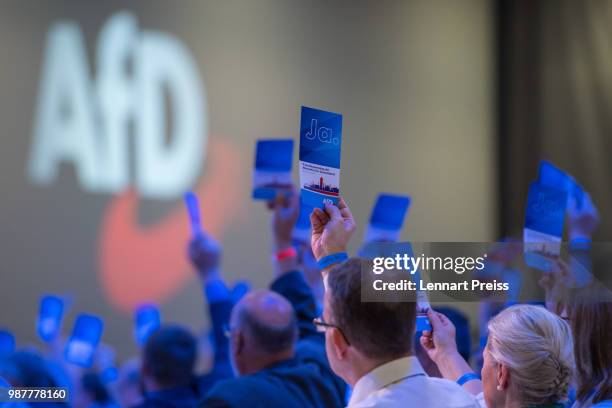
(268, 320)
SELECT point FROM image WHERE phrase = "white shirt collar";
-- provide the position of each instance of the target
(384, 375)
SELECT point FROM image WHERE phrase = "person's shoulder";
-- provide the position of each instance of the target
(234, 391)
(452, 394)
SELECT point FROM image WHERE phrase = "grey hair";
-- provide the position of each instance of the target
(537, 347)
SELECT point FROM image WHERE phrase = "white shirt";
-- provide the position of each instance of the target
(403, 383)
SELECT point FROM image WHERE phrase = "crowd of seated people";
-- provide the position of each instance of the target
(310, 341)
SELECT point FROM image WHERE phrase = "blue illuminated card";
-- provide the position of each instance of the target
(544, 220)
(85, 337)
(50, 315)
(387, 218)
(146, 320)
(7, 343)
(422, 323)
(551, 176)
(320, 141)
(273, 160)
(193, 209)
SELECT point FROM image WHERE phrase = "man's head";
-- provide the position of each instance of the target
(263, 331)
(169, 358)
(364, 334)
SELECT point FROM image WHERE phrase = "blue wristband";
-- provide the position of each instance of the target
(467, 377)
(332, 259)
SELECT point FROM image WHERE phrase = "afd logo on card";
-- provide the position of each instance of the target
(320, 137)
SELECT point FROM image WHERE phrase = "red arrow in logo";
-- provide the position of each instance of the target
(143, 264)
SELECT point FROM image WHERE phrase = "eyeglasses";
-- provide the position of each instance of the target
(322, 327)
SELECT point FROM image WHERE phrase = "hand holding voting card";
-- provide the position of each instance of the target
(320, 141)
(85, 337)
(50, 315)
(272, 175)
(543, 230)
(387, 218)
(193, 209)
(146, 320)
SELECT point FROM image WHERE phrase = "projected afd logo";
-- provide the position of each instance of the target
(87, 122)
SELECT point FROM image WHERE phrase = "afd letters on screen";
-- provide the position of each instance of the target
(86, 121)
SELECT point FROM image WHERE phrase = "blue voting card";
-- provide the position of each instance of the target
(49, 323)
(387, 218)
(273, 159)
(146, 320)
(84, 339)
(320, 141)
(551, 176)
(7, 343)
(193, 209)
(422, 323)
(544, 220)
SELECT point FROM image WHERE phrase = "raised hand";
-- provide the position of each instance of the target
(205, 255)
(331, 229)
(582, 221)
(440, 342)
(286, 211)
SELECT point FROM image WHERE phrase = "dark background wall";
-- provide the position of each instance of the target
(554, 100)
(414, 80)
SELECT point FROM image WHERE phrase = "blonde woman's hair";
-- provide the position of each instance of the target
(536, 346)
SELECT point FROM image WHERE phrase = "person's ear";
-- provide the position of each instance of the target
(339, 343)
(503, 377)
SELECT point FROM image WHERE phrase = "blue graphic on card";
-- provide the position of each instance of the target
(146, 320)
(50, 315)
(85, 337)
(273, 160)
(544, 220)
(551, 176)
(387, 218)
(320, 142)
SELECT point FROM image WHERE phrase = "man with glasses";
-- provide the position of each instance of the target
(370, 344)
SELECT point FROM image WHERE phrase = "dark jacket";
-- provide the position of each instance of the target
(304, 381)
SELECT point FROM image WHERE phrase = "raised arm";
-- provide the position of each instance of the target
(289, 280)
(205, 255)
(441, 346)
(332, 229)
